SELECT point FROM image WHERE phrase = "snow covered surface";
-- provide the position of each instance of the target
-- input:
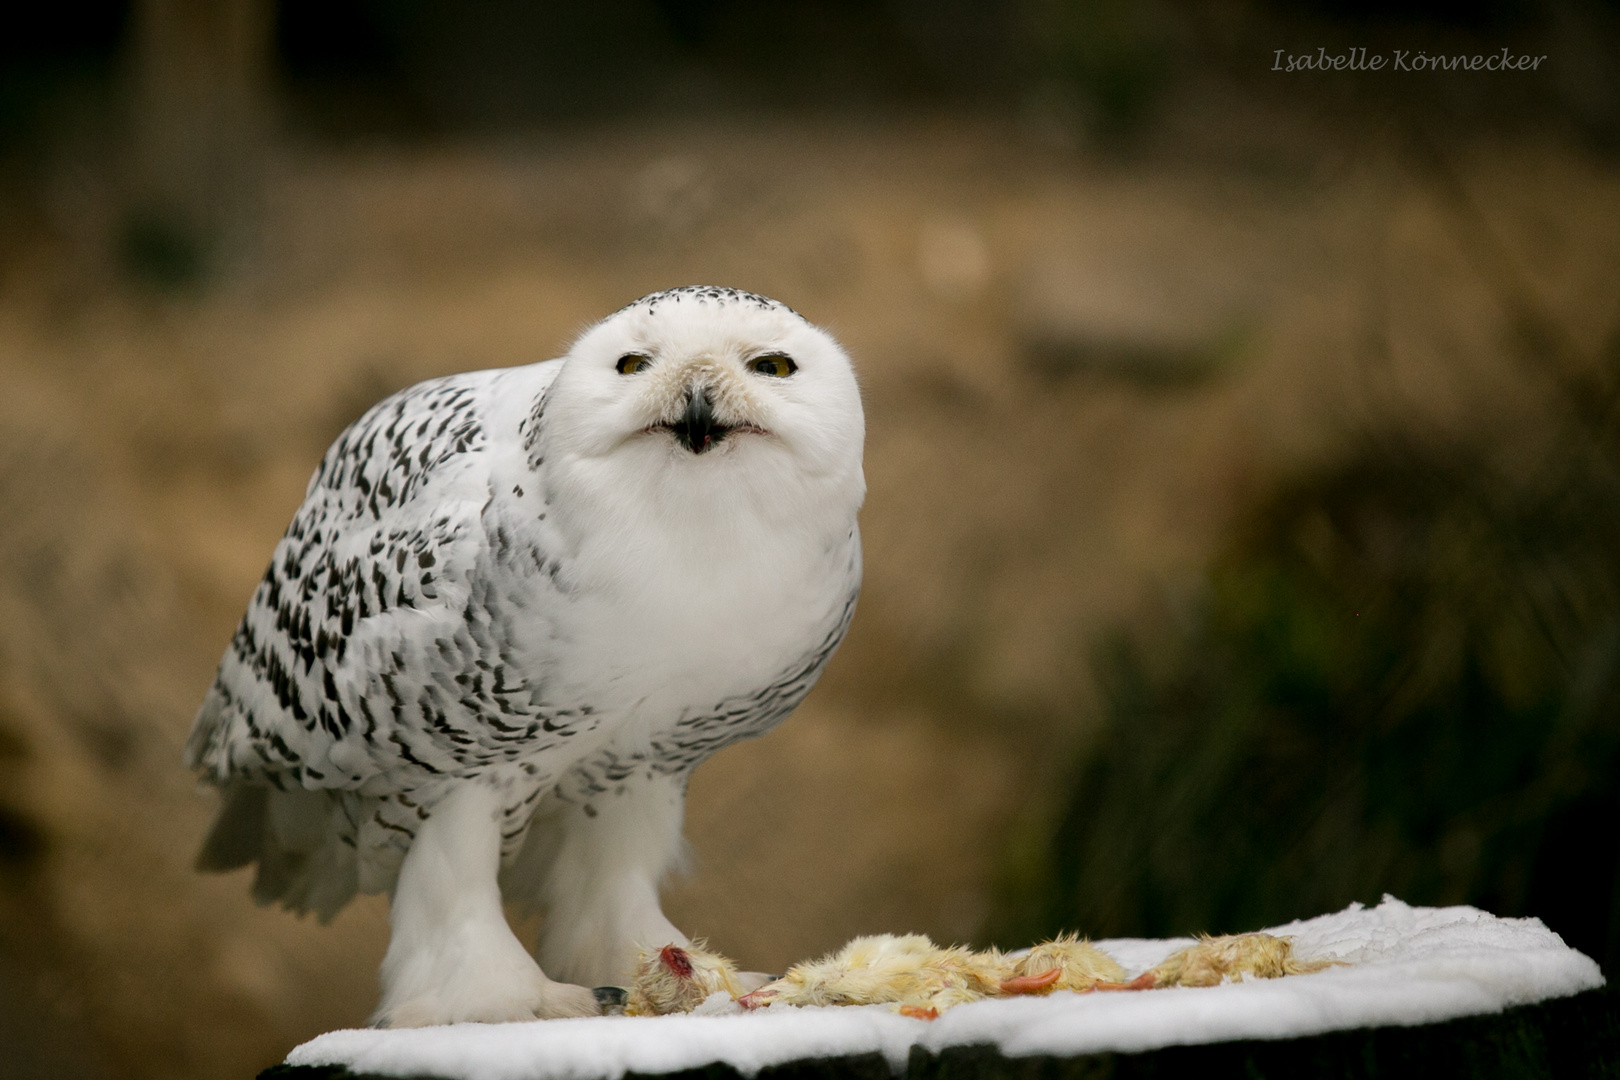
(1407, 966)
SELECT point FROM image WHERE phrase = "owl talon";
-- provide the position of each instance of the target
(610, 999)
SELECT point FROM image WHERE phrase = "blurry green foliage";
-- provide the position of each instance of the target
(1403, 677)
(1113, 52)
(161, 250)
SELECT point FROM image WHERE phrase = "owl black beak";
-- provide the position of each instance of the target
(696, 429)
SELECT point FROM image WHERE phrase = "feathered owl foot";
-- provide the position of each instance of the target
(452, 958)
(485, 1000)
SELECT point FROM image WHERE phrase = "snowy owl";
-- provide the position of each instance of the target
(515, 611)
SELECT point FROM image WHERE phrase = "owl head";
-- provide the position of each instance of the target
(702, 396)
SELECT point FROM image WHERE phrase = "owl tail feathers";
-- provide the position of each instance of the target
(237, 836)
(303, 865)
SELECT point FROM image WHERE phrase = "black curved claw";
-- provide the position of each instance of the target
(611, 999)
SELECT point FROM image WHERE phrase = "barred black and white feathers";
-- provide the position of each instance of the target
(566, 585)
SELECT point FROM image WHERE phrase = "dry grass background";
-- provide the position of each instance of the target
(1075, 367)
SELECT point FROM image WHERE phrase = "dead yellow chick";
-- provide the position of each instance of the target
(1233, 956)
(678, 978)
(924, 979)
(1064, 963)
(908, 971)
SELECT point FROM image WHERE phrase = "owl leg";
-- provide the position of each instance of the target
(451, 955)
(599, 885)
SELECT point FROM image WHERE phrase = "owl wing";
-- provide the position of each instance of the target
(374, 655)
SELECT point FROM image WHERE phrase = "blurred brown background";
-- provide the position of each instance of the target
(1180, 374)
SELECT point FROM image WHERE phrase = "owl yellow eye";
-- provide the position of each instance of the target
(776, 366)
(630, 363)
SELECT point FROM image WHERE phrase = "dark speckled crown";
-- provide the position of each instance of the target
(703, 294)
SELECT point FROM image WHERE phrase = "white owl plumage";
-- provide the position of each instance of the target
(516, 609)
